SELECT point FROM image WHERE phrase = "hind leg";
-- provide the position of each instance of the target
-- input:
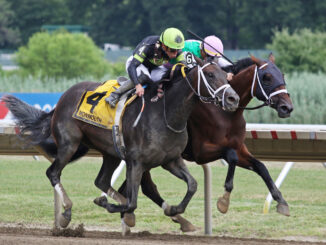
(179, 169)
(61, 197)
(246, 160)
(68, 139)
(231, 157)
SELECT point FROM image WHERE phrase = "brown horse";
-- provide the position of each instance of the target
(157, 140)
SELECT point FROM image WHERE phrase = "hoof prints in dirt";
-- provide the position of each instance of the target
(68, 232)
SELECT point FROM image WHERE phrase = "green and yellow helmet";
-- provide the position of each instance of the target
(173, 38)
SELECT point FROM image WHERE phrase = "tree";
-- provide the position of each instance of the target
(61, 54)
(32, 14)
(9, 36)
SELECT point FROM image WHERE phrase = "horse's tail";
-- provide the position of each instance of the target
(30, 119)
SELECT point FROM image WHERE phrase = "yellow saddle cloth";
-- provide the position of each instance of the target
(93, 109)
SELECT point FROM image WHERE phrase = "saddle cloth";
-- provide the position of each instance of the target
(93, 109)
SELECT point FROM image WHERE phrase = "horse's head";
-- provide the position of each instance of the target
(269, 86)
(213, 86)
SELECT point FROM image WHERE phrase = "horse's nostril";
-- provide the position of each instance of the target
(286, 108)
(232, 99)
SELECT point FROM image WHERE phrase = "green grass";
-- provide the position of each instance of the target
(26, 196)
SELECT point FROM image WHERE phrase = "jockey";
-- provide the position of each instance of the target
(148, 59)
(212, 46)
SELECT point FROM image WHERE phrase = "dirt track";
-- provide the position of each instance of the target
(22, 235)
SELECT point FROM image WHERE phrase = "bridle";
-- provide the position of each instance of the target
(268, 98)
(211, 91)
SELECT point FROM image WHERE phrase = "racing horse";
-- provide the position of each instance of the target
(215, 134)
(157, 140)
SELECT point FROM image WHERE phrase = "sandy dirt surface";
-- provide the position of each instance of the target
(26, 235)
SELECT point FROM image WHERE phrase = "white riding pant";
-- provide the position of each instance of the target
(156, 74)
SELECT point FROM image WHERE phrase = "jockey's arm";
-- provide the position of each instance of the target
(227, 66)
(132, 72)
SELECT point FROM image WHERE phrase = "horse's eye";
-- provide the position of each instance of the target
(267, 78)
(210, 74)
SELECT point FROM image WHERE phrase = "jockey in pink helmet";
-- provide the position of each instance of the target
(213, 46)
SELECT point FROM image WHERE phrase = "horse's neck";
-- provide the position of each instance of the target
(241, 83)
(179, 102)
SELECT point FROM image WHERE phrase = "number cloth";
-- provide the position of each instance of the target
(93, 109)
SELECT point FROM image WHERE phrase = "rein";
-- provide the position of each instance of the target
(204, 99)
(268, 101)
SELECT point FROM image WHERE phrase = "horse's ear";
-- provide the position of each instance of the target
(256, 60)
(271, 58)
(199, 61)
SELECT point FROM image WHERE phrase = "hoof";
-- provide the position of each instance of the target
(65, 218)
(129, 219)
(223, 205)
(185, 225)
(101, 201)
(283, 209)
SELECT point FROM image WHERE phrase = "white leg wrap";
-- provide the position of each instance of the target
(60, 193)
(164, 205)
(125, 228)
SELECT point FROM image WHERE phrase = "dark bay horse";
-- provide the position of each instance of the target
(157, 140)
(224, 134)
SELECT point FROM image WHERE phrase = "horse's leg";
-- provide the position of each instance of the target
(103, 182)
(53, 173)
(150, 190)
(179, 169)
(229, 155)
(246, 160)
(134, 174)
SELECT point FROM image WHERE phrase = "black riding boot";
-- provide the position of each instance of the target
(115, 96)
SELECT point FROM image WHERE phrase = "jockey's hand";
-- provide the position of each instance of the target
(139, 90)
(229, 76)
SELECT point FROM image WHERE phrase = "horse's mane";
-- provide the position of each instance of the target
(239, 65)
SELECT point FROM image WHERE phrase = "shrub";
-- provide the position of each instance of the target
(303, 50)
(61, 54)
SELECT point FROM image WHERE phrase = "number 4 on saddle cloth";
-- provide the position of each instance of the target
(93, 109)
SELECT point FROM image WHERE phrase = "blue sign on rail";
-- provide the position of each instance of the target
(43, 101)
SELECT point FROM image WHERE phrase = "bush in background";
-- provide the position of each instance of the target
(303, 50)
(61, 55)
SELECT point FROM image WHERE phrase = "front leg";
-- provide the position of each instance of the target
(179, 169)
(246, 160)
(134, 174)
(282, 206)
(231, 157)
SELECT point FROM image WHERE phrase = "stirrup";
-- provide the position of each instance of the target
(112, 99)
(157, 97)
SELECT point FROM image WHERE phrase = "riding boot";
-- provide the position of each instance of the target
(115, 96)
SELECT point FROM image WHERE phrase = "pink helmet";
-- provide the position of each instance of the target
(216, 43)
